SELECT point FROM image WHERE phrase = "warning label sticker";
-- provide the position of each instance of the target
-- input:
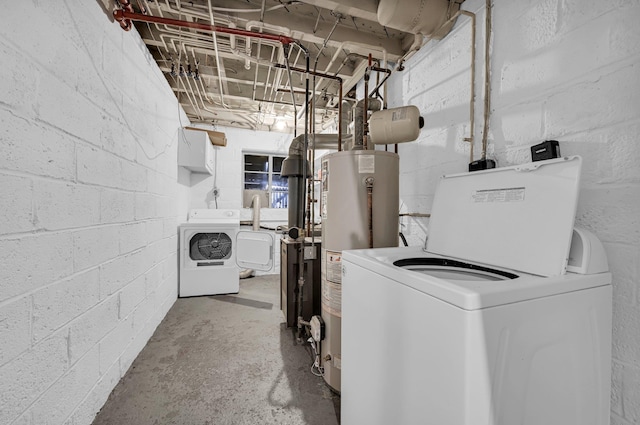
(332, 298)
(366, 164)
(400, 114)
(323, 203)
(334, 266)
(324, 175)
(510, 194)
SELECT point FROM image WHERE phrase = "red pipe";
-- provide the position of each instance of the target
(125, 24)
(124, 17)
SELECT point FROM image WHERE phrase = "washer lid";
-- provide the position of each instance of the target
(518, 217)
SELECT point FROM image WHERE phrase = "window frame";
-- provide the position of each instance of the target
(270, 173)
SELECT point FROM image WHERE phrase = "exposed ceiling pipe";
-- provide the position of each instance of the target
(277, 77)
(381, 50)
(264, 3)
(232, 38)
(384, 80)
(126, 6)
(274, 29)
(332, 77)
(232, 10)
(293, 98)
(219, 64)
(125, 17)
(189, 95)
(315, 87)
(180, 12)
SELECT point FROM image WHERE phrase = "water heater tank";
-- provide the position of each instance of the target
(344, 205)
(413, 16)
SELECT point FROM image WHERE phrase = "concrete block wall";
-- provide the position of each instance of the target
(560, 69)
(88, 207)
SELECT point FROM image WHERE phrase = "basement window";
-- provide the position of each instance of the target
(261, 176)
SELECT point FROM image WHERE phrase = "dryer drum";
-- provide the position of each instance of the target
(210, 246)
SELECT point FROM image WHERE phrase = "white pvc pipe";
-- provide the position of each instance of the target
(256, 204)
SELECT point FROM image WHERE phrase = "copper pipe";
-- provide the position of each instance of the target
(487, 80)
(340, 119)
(331, 77)
(367, 75)
(369, 184)
(124, 17)
(319, 74)
(379, 84)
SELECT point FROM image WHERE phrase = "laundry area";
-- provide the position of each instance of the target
(316, 212)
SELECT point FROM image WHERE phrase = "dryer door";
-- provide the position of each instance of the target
(254, 250)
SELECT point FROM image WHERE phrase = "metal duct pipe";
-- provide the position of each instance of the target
(293, 168)
(318, 141)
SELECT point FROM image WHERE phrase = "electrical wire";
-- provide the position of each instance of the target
(316, 362)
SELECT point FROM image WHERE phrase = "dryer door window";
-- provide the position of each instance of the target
(210, 246)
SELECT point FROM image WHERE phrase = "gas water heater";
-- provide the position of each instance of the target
(359, 207)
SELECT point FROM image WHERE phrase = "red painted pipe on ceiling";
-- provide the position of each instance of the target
(124, 17)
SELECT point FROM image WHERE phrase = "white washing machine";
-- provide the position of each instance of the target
(213, 249)
(504, 318)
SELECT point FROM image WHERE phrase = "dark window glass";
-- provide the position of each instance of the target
(256, 181)
(277, 164)
(262, 173)
(256, 163)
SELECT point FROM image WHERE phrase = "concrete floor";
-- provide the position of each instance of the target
(223, 360)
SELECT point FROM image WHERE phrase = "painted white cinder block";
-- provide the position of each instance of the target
(19, 270)
(15, 326)
(27, 376)
(93, 246)
(631, 394)
(87, 330)
(61, 302)
(75, 384)
(130, 296)
(117, 206)
(17, 193)
(62, 205)
(133, 236)
(88, 168)
(30, 147)
(86, 411)
(112, 345)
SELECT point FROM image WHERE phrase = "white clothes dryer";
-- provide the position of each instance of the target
(504, 318)
(213, 249)
(208, 253)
